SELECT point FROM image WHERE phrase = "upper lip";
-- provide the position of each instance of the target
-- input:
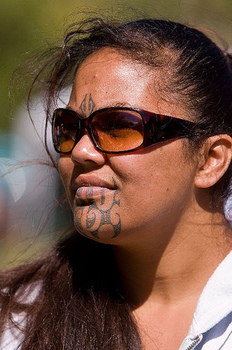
(91, 180)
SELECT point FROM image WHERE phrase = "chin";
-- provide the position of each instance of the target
(105, 234)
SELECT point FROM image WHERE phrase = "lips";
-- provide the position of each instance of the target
(89, 188)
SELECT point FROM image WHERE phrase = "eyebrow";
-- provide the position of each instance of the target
(117, 105)
(122, 104)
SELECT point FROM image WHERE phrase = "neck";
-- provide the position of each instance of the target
(177, 271)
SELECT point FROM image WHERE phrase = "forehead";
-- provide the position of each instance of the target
(110, 59)
(114, 79)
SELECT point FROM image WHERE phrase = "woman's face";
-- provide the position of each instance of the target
(119, 199)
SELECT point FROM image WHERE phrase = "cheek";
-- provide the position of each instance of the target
(143, 171)
(156, 179)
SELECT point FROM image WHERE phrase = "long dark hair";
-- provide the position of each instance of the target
(78, 300)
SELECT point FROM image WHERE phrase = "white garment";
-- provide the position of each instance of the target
(211, 328)
(13, 335)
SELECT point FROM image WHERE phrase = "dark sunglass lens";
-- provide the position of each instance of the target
(64, 130)
(117, 130)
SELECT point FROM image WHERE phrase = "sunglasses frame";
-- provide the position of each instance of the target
(157, 128)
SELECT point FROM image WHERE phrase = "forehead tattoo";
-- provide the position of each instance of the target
(87, 105)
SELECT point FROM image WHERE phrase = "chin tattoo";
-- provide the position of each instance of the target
(100, 218)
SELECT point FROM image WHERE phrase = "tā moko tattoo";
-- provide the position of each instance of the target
(87, 105)
(100, 216)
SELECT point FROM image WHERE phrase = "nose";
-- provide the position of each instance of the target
(85, 152)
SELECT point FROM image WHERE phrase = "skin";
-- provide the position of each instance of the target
(152, 205)
(116, 172)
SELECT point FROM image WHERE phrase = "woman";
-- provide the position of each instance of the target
(145, 154)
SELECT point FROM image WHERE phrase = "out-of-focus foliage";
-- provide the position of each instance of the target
(26, 25)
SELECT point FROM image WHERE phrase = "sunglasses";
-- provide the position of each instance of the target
(116, 129)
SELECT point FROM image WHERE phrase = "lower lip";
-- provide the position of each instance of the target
(87, 194)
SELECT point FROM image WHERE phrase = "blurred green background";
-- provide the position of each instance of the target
(29, 26)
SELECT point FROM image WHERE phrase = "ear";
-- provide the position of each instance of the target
(214, 160)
